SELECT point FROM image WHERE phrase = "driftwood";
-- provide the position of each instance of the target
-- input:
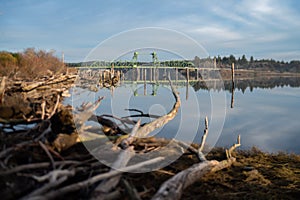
(174, 187)
(137, 132)
(50, 81)
(145, 129)
(54, 174)
(32, 102)
(159, 122)
(92, 180)
(121, 162)
(2, 89)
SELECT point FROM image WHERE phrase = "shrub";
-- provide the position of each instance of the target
(30, 64)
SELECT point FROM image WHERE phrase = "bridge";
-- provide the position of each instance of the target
(134, 72)
(134, 63)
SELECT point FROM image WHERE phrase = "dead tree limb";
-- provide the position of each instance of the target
(159, 122)
(201, 156)
(45, 124)
(48, 153)
(130, 190)
(60, 79)
(55, 107)
(43, 105)
(38, 166)
(132, 137)
(55, 178)
(174, 187)
(107, 185)
(2, 89)
(94, 179)
(233, 147)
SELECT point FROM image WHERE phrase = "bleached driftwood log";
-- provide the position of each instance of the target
(137, 132)
(107, 185)
(174, 187)
(50, 81)
(159, 122)
(83, 184)
(2, 89)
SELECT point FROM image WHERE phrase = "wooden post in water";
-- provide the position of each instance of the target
(232, 73)
(145, 86)
(176, 74)
(121, 77)
(215, 62)
(232, 97)
(187, 83)
(232, 85)
(151, 73)
(137, 74)
(187, 74)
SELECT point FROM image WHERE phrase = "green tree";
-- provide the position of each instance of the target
(225, 60)
(219, 59)
(244, 60)
(232, 59)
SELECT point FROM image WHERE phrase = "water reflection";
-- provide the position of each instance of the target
(267, 118)
(265, 109)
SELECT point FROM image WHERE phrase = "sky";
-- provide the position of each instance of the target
(259, 28)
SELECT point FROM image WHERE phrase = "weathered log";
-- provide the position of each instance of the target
(203, 139)
(99, 177)
(159, 122)
(61, 79)
(174, 187)
(2, 89)
(103, 188)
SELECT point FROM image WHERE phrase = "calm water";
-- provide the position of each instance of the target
(266, 118)
(265, 112)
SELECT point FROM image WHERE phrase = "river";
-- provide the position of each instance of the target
(265, 110)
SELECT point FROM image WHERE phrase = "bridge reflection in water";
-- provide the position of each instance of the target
(154, 76)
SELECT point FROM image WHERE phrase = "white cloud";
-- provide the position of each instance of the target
(261, 7)
(218, 33)
(266, 12)
(233, 16)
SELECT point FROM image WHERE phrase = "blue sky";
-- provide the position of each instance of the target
(262, 28)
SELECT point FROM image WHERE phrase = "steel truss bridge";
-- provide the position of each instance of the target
(134, 63)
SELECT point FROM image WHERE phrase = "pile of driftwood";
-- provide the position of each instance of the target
(27, 102)
(47, 160)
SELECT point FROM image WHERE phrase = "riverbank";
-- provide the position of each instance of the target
(254, 175)
(247, 74)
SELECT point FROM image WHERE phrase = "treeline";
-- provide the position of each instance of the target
(251, 63)
(30, 63)
(258, 82)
